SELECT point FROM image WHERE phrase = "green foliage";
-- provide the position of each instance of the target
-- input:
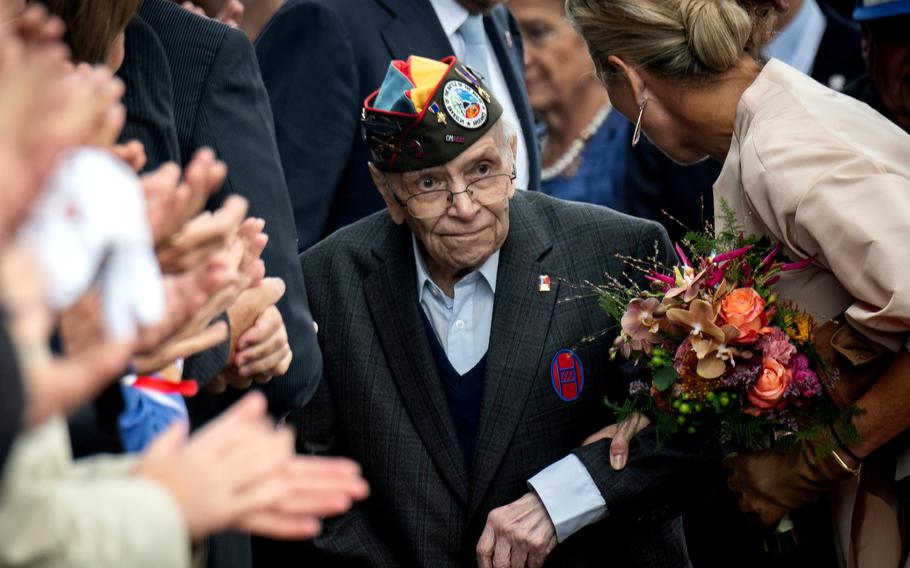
(664, 378)
(613, 306)
(746, 431)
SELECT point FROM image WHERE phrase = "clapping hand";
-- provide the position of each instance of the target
(259, 484)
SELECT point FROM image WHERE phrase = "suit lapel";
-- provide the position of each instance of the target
(392, 298)
(414, 30)
(521, 318)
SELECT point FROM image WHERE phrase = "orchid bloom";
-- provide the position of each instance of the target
(699, 317)
(707, 337)
(687, 282)
(639, 324)
(713, 355)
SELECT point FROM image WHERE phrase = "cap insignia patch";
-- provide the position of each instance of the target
(464, 105)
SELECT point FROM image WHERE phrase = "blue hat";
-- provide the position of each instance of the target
(877, 9)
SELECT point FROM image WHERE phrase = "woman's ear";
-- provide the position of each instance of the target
(381, 181)
(628, 77)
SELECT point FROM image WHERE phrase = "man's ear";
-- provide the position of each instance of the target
(380, 180)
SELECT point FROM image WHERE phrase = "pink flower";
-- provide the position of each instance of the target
(805, 382)
(744, 309)
(776, 345)
(639, 324)
(768, 390)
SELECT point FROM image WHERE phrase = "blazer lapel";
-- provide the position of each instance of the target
(521, 318)
(415, 30)
(392, 299)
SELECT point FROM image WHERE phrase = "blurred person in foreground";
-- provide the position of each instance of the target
(124, 511)
(886, 48)
(825, 176)
(193, 82)
(585, 147)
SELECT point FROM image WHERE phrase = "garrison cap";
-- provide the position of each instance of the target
(426, 113)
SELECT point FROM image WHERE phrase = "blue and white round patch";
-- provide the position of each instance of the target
(464, 105)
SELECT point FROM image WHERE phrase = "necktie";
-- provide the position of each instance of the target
(475, 42)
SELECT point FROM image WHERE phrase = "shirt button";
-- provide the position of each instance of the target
(459, 324)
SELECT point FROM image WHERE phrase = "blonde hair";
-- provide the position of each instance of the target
(673, 38)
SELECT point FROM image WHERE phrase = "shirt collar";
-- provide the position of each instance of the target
(489, 270)
(797, 44)
(451, 15)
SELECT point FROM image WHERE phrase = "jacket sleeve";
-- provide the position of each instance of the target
(57, 513)
(12, 399)
(235, 119)
(309, 69)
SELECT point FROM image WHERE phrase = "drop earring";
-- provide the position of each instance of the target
(636, 134)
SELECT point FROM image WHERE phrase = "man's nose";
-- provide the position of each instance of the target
(463, 205)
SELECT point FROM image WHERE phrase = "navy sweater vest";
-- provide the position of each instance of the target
(465, 393)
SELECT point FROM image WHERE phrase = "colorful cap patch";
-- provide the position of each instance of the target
(567, 375)
(426, 113)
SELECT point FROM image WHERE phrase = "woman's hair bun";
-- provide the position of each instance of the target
(717, 31)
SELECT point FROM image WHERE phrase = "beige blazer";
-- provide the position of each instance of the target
(829, 178)
(91, 513)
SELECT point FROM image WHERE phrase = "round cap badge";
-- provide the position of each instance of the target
(464, 105)
(567, 375)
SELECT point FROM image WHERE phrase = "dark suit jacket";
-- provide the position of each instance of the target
(840, 51)
(320, 59)
(382, 401)
(12, 400)
(218, 100)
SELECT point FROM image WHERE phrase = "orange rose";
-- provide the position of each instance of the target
(744, 309)
(772, 382)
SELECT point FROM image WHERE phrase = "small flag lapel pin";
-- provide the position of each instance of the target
(543, 283)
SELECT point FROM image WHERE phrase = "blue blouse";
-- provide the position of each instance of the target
(600, 176)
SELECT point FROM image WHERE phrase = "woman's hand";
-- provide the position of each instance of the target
(621, 434)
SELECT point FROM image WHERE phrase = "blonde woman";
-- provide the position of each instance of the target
(826, 176)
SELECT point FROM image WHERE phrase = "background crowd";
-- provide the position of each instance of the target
(163, 165)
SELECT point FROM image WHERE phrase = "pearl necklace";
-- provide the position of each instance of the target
(573, 154)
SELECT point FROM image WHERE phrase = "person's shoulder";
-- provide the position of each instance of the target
(584, 222)
(354, 241)
(181, 31)
(305, 13)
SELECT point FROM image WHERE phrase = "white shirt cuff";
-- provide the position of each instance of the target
(570, 496)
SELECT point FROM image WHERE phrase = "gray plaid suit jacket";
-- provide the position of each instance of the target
(382, 402)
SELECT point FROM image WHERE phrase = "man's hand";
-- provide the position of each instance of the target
(517, 535)
(259, 340)
(621, 434)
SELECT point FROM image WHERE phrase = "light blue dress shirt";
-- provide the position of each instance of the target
(797, 44)
(462, 325)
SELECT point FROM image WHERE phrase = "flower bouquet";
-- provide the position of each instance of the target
(724, 358)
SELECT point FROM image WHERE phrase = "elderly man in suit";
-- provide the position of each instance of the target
(455, 367)
(321, 58)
